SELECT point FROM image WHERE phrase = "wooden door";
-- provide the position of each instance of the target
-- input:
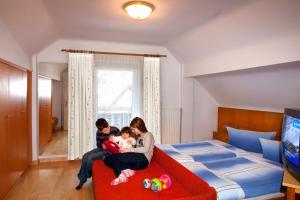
(13, 124)
(65, 99)
(4, 167)
(45, 115)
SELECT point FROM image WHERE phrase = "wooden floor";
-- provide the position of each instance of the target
(51, 181)
(58, 144)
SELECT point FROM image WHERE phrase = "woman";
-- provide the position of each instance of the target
(128, 160)
(103, 133)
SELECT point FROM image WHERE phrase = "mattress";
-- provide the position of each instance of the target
(233, 172)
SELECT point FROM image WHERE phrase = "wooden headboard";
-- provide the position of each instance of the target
(254, 120)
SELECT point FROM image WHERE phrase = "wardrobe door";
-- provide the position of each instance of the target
(14, 136)
(4, 76)
(43, 132)
(45, 114)
(14, 124)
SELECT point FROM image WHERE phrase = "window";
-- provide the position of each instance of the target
(114, 102)
(118, 81)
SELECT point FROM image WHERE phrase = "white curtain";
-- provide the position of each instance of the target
(152, 96)
(118, 88)
(80, 125)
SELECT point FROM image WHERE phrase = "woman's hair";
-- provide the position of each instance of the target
(139, 124)
(101, 123)
(126, 129)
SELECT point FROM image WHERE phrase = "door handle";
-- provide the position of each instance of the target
(9, 116)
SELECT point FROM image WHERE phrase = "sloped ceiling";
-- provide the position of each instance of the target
(29, 22)
(260, 33)
(252, 23)
(268, 88)
(37, 23)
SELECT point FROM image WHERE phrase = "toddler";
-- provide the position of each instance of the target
(116, 142)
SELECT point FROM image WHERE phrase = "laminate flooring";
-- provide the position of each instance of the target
(55, 181)
(58, 145)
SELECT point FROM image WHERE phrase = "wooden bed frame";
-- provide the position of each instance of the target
(254, 120)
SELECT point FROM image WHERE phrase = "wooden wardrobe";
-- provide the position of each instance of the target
(15, 124)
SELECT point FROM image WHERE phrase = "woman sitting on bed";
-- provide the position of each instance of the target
(128, 160)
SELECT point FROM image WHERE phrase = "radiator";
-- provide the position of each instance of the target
(171, 126)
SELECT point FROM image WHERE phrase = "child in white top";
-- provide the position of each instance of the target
(125, 140)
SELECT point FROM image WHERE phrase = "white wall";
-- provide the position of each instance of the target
(200, 112)
(187, 109)
(57, 101)
(205, 113)
(35, 109)
(51, 70)
(10, 50)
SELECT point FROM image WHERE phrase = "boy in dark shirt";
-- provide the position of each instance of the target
(103, 133)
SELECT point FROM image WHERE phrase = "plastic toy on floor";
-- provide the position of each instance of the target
(158, 184)
(147, 183)
(166, 181)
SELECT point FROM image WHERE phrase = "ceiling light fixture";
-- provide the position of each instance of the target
(138, 9)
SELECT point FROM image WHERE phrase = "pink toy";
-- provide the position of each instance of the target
(166, 181)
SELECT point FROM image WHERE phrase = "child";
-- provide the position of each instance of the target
(103, 133)
(116, 142)
(125, 140)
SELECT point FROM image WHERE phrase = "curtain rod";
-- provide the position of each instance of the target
(112, 53)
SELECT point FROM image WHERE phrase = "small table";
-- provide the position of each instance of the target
(292, 184)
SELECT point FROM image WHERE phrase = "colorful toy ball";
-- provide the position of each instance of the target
(166, 181)
(156, 185)
(147, 183)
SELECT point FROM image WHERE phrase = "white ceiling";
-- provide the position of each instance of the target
(271, 88)
(37, 23)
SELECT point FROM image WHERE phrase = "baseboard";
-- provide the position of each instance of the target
(34, 163)
(59, 128)
(52, 158)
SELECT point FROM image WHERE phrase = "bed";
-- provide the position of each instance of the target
(234, 172)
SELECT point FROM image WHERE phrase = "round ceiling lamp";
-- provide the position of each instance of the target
(138, 9)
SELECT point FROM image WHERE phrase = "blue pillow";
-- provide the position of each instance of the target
(247, 140)
(271, 149)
